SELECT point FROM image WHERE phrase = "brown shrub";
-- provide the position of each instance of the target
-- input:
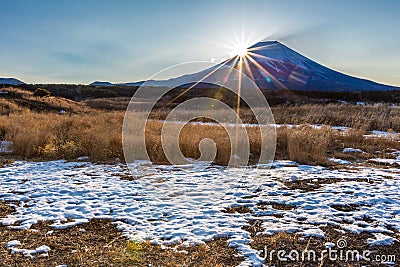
(308, 145)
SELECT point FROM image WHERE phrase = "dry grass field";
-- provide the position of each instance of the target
(53, 136)
(15, 100)
(97, 134)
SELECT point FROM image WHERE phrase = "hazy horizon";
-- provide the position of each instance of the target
(128, 41)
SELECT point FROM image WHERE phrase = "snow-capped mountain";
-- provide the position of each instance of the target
(11, 81)
(272, 65)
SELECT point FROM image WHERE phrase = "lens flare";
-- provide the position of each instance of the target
(239, 50)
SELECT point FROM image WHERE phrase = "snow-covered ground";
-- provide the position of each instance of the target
(185, 204)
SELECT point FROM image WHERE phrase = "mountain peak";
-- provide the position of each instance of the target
(269, 45)
(270, 41)
(273, 43)
(270, 51)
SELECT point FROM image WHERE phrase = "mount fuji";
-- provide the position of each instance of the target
(275, 66)
(296, 72)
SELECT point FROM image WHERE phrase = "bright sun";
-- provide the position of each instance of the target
(239, 50)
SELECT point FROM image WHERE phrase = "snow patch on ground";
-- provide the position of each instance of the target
(381, 240)
(42, 250)
(382, 134)
(171, 204)
(339, 161)
(386, 161)
(13, 243)
(352, 150)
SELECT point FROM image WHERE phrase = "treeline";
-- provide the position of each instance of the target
(274, 97)
(82, 92)
(366, 96)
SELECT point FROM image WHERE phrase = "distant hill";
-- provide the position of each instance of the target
(98, 83)
(10, 81)
(15, 100)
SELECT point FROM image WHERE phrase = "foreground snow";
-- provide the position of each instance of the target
(184, 204)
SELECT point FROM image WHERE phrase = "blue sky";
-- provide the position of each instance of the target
(121, 41)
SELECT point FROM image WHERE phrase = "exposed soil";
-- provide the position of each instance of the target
(99, 243)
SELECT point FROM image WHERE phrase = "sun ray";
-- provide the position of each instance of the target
(236, 141)
(260, 56)
(251, 55)
(235, 60)
(260, 47)
(194, 85)
(247, 66)
(258, 65)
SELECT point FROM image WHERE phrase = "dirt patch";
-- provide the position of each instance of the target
(308, 185)
(277, 206)
(367, 219)
(238, 209)
(126, 176)
(305, 185)
(96, 243)
(213, 253)
(5, 208)
(254, 227)
(7, 160)
(99, 243)
(345, 207)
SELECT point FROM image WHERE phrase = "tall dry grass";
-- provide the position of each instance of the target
(379, 117)
(190, 138)
(308, 145)
(53, 136)
(98, 135)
